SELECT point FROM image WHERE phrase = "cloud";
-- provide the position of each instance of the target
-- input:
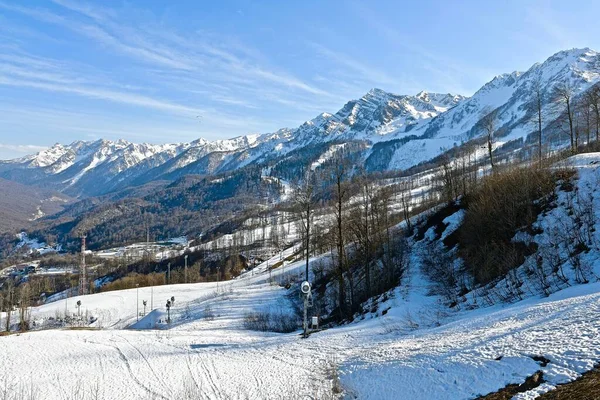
(159, 46)
(169, 49)
(447, 72)
(10, 151)
(95, 13)
(233, 85)
(543, 19)
(104, 94)
(22, 148)
(367, 71)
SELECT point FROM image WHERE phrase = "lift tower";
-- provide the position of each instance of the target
(82, 269)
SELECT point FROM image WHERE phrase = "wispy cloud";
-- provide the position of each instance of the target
(89, 10)
(447, 72)
(178, 76)
(8, 151)
(48, 75)
(550, 26)
(182, 58)
(368, 72)
(97, 93)
(169, 49)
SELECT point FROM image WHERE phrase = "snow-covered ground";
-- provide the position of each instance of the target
(35, 246)
(418, 349)
(207, 349)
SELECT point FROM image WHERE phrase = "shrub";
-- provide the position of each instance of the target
(267, 321)
(504, 203)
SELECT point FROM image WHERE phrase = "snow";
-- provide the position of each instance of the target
(419, 349)
(208, 347)
(155, 319)
(331, 151)
(35, 246)
(38, 214)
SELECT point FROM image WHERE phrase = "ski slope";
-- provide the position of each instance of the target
(417, 350)
(477, 352)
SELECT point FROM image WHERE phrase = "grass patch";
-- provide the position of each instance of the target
(586, 387)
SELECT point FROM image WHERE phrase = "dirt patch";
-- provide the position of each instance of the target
(585, 388)
(80, 328)
(509, 391)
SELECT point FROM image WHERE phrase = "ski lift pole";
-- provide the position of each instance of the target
(306, 293)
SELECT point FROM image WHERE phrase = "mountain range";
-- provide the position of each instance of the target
(394, 132)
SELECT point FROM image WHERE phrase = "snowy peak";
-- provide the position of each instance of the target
(45, 157)
(442, 102)
(408, 129)
(579, 66)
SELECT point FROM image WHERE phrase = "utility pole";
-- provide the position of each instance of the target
(185, 278)
(305, 288)
(82, 269)
(168, 311)
(168, 273)
(137, 301)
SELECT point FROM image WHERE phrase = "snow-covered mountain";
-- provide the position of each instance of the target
(394, 132)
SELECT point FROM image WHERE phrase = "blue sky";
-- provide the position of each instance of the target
(171, 71)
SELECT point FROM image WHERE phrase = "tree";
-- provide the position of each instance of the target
(9, 302)
(339, 173)
(564, 92)
(536, 104)
(364, 227)
(450, 177)
(24, 299)
(305, 199)
(593, 99)
(406, 199)
(489, 126)
(586, 114)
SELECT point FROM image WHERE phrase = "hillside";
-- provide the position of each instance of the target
(20, 205)
(428, 337)
(211, 353)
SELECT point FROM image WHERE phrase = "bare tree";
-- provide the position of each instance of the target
(339, 173)
(536, 104)
(9, 302)
(586, 114)
(305, 202)
(489, 126)
(24, 299)
(450, 178)
(564, 92)
(406, 200)
(593, 99)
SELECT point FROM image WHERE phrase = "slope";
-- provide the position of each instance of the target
(207, 352)
(21, 204)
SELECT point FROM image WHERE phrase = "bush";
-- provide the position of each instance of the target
(504, 203)
(129, 281)
(267, 321)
